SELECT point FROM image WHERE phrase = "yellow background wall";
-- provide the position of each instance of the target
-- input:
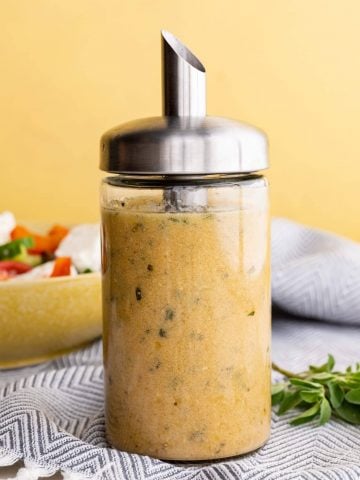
(70, 69)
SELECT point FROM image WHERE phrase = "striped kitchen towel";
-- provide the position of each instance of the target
(51, 415)
(314, 273)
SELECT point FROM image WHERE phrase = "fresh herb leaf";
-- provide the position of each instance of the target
(326, 392)
(277, 398)
(306, 416)
(349, 412)
(289, 401)
(11, 249)
(277, 388)
(322, 376)
(350, 382)
(353, 396)
(277, 393)
(310, 396)
(336, 394)
(304, 384)
(325, 411)
(330, 363)
(326, 367)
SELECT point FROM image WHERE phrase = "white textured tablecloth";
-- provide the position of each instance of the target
(51, 415)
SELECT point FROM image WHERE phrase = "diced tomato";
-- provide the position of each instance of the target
(11, 268)
(19, 232)
(42, 243)
(56, 234)
(62, 267)
(4, 275)
(59, 230)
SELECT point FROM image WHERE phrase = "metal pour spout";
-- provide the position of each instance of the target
(184, 82)
(184, 141)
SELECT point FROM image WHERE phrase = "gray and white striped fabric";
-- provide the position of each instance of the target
(51, 415)
(315, 273)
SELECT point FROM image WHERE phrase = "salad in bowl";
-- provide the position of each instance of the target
(50, 289)
(25, 254)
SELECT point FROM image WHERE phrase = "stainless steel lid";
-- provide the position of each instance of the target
(184, 140)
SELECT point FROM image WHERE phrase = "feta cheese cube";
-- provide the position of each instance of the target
(7, 224)
(82, 244)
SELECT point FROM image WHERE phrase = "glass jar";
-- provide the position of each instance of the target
(186, 309)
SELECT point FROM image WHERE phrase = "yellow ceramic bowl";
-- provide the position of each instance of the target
(43, 318)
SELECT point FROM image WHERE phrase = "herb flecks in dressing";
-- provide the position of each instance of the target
(194, 313)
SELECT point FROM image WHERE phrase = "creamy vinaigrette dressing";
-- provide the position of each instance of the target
(187, 327)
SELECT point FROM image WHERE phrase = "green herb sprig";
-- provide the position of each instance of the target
(321, 392)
